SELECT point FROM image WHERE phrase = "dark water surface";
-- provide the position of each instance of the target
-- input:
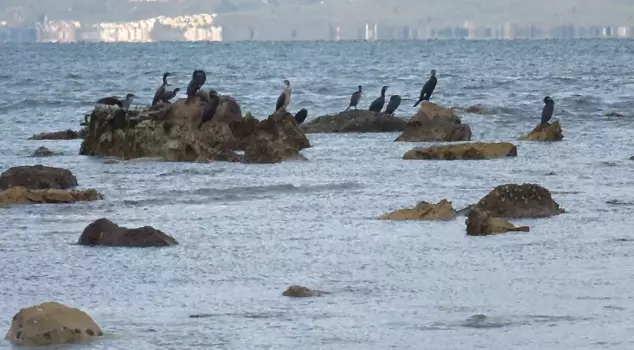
(248, 231)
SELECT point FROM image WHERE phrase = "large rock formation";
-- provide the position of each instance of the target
(480, 223)
(442, 210)
(435, 123)
(519, 201)
(171, 132)
(23, 195)
(473, 150)
(51, 323)
(546, 132)
(37, 177)
(104, 232)
(57, 135)
(355, 121)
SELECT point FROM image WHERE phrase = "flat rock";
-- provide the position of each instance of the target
(51, 323)
(519, 201)
(480, 223)
(23, 195)
(442, 210)
(435, 123)
(37, 177)
(302, 292)
(360, 121)
(546, 132)
(104, 232)
(472, 150)
(57, 135)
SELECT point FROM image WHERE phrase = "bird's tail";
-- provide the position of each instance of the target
(416, 104)
(347, 108)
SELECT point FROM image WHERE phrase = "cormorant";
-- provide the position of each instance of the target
(377, 105)
(114, 101)
(395, 101)
(285, 97)
(547, 112)
(210, 108)
(198, 79)
(355, 98)
(168, 95)
(160, 92)
(428, 88)
(301, 116)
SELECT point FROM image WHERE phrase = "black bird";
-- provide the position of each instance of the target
(285, 97)
(168, 95)
(377, 105)
(301, 116)
(210, 108)
(355, 98)
(160, 92)
(198, 79)
(428, 88)
(395, 101)
(115, 101)
(547, 112)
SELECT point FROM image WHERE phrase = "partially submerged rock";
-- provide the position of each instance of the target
(300, 291)
(442, 210)
(545, 132)
(37, 177)
(43, 152)
(355, 121)
(435, 123)
(23, 195)
(57, 135)
(473, 150)
(104, 232)
(519, 201)
(51, 323)
(480, 223)
(172, 133)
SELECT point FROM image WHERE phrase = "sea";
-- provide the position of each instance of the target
(248, 231)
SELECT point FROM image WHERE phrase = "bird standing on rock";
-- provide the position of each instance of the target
(428, 88)
(210, 108)
(355, 98)
(547, 111)
(395, 101)
(115, 101)
(285, 97)
(160, 92)
(377, 105)
(198, 79)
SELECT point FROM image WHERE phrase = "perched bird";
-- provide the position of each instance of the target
(210, 108)
(428, 88)
(115, 101)
(198, 79)
(285, 97)
(547, 112)
(355, 98)
(395, 101)
(301, 116)
(377, 105)
(160, 92)
(168, 95)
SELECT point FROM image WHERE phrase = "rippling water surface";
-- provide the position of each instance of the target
(248, 231)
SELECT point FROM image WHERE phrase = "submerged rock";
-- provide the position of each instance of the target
(546, 132)
(104, 232)
(300, 291)
(435, 123)
(480, 223)
(519, 201)
(37, 177)
(43, 152)
(355, 121)
(51, 323)
(23, 195)
(57, 135)
(442, 210)
(172, 133)
(473, 150)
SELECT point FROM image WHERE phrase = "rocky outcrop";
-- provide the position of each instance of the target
(519, 201)
(480, 223)
(435, 123)
(355, 121)
(57, 135)
(442, 210)
(104, 232)
(546, 132)
(172, 133)
(43, 152)
(23, 195)
(37, 177)
(51, 323)
(473, 150)
(300, 291)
